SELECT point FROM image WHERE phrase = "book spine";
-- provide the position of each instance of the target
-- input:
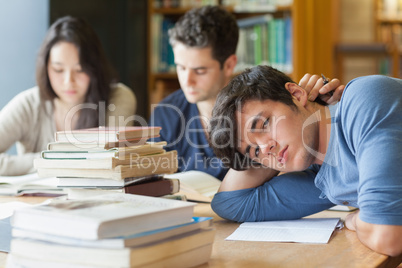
(156, 24)
(272, 43)
(155, 188)
(250, 22)
(170, 57)
(289, 44)
(280, 44)
(114, 174)
(163, 64)
(264, 43)
(107, 163)
(257, 44)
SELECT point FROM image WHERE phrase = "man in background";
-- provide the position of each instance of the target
(204, 44)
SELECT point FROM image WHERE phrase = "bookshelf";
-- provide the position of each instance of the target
(120, 27)
(388, 27)
(314, 34)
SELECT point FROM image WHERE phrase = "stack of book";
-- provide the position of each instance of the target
(115, 230)
(90, 161)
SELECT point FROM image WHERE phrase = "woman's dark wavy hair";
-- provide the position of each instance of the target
(92, 59)
(257, 83)
(208, 26)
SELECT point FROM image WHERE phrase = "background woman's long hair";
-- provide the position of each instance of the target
(92, 59)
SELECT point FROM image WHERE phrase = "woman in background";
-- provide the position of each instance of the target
(74, 90)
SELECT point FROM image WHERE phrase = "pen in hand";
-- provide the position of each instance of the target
(326, 81)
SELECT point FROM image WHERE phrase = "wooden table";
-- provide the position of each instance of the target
(343, 249)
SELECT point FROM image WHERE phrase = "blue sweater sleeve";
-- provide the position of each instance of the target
(286, 197)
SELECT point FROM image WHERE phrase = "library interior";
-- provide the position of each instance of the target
(153, 213)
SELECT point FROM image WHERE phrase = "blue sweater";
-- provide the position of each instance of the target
(182, 130)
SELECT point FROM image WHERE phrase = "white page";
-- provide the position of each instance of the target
(201, 182)
(7, 209)
(342, 208)
(308, 230)
(19, 179)
(29, 184)
(197, 185)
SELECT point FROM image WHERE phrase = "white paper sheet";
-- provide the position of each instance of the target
(307, 230)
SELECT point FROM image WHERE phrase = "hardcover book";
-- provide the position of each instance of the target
(126, 257)
(154, 188)
(108, 162)
(123, 241)
(110, 215)
(122, 153)
(101, 182)
(106, 134)
(191, 258)
(120, 172)
(93, 146)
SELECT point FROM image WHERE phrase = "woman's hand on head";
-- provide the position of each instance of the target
(314, 86)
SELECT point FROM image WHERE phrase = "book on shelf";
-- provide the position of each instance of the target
(93, 146)
(29, 184)
(254, 20)
(197, 185)
(123, 241)
(191, 258)
(106, 134)
(105, 216)
(125, 257)
(154, 188)
(165, 166)
(254, 6)
(280, 43)
(163, 59)
(108, 162)
(265, 40)
(272, 43)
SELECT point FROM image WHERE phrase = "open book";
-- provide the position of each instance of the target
(106, 216)
(29, 184)
(197, 185)
(306, 230)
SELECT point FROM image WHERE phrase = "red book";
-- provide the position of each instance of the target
(154, 188)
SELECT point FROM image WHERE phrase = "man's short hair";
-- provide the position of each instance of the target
(208, 26)
(257, 83)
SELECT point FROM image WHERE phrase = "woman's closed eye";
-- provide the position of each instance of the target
(56, 70)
